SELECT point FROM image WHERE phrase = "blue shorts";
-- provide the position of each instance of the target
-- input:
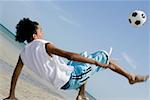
(83, 71)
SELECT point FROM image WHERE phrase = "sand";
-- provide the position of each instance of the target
(24, 90)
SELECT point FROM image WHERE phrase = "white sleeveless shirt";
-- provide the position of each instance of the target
(53, 69)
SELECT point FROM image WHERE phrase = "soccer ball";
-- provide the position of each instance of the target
(137, 18)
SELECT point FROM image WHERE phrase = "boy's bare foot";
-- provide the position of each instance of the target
(137, 78)
(79, 97)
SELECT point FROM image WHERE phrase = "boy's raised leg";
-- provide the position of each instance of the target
(133, 78)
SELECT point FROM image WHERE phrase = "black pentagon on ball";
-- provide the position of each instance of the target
(143, 16)
(134, 14)
(138, 22)
(130, 21)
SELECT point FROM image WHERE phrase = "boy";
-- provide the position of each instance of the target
(43, 58)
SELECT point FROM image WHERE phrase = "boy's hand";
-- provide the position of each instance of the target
(10, 98)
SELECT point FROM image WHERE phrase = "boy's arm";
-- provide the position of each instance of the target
(15, 76)
(51, 49)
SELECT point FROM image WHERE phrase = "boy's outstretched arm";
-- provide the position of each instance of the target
(51, 49)
(15, 76)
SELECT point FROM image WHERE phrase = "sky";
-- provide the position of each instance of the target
(86, 25)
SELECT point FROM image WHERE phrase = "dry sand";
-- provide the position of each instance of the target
(24, 90)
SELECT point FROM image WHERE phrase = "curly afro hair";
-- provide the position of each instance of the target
(25, 29)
